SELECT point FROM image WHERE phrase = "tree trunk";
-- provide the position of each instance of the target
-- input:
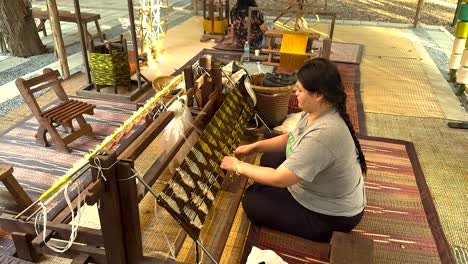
(19, 29)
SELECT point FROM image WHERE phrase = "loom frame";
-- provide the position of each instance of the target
(119, 240)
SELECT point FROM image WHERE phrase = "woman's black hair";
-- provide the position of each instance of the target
(322, 76)
(243, 6)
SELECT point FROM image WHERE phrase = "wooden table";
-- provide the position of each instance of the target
(68, 16)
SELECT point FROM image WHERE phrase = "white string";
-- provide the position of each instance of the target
(75, 220)
(162, 108)
(170, 245)
(100, 169)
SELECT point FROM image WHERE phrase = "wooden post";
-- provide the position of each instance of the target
(189, 82)
(109, 208)
(207, 88)
(131, 16)
(195, 6)
(129, 212)
(417, 17)
(82, 40)
(326, 48)
(58, 39)
(24, 248)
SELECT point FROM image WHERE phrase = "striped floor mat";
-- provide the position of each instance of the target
(400, 216)
(36, 168)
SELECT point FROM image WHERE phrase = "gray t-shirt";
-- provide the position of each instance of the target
(324, 156)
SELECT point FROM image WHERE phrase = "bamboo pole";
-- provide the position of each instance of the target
(131, 16)
(84, 51)
(417, 17)
(58, 39)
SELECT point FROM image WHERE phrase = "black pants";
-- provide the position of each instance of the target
(276, 208)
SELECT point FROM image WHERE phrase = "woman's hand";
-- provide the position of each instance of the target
(230, 163)
(244, 150)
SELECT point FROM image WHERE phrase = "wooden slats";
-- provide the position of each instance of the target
(67, 111)
(44, 86)
(42, 78)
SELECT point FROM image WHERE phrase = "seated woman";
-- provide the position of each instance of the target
(310, 181)
(239, 27)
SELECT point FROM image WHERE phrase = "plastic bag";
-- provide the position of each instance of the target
(175, 130)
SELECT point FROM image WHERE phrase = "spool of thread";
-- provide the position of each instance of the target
(462, 75)
(458, 45)
(454, 62)
(464, 58)
(463, 12)
(462, 29)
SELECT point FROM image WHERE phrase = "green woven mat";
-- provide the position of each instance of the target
(442, 152)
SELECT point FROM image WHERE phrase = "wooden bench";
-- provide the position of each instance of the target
(13, 187)
(68, 16)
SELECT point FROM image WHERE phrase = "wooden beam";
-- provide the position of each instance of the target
(137, 147)
(58, 39)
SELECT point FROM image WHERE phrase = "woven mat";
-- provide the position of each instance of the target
(442, 154)
(397, 86)
(37, 168)
(399, 217)
(379, 41)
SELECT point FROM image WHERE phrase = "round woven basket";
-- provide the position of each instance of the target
(257, 79)
(273, 107)
(160, 82)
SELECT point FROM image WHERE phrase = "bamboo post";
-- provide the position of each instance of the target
(58, 39)
(82, 40)
(131, 16)
(417, 17)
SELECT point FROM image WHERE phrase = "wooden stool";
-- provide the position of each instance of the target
(20, 196)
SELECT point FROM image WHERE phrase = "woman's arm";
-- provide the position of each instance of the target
(280, 177)
(275, 144)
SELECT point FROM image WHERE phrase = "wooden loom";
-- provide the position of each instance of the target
(119, 240)
(120, 237)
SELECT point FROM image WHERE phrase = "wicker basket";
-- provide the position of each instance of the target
(257, 81)
(160, 82)
(273, 107)
(272, 102)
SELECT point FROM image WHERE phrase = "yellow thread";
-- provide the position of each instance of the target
(137, 116)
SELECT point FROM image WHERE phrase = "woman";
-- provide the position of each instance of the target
(319, 186)
(239, 25)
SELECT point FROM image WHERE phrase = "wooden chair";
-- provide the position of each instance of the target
(61, 114)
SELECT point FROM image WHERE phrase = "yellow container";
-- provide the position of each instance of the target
(461, 30)
(220, 26)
